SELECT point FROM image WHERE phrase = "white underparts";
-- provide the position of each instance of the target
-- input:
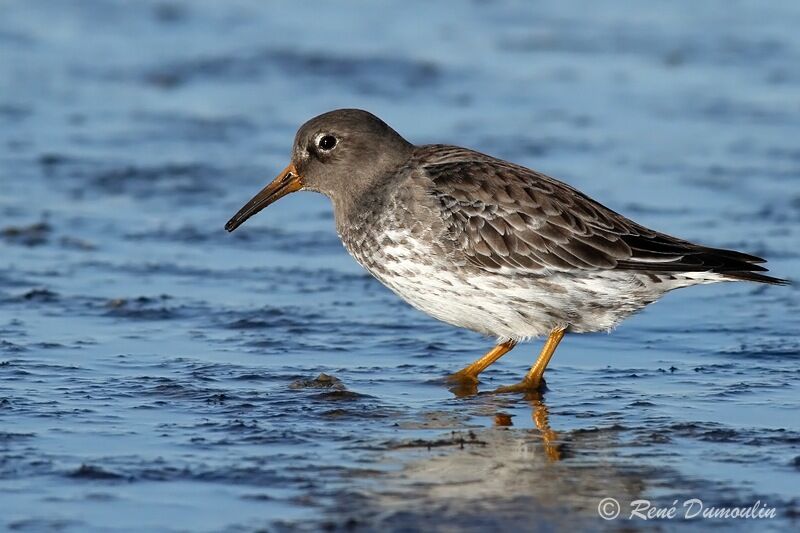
(511, 304)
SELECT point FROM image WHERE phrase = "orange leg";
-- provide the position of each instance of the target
(533, 380)
(470, 373)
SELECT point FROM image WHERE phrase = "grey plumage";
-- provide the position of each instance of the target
(504, 215)
(486, 244)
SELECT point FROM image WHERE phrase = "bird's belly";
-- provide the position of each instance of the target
(470, 303)
(505, 304)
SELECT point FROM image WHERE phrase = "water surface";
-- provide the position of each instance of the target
(157, 373)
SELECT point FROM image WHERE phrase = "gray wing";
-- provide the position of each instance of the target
(503, 216)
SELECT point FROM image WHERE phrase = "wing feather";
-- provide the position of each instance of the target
(503, 216)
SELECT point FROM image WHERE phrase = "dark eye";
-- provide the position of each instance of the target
(326, 142)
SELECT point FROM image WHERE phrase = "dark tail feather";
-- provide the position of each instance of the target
(662, 253)
(755, 276)
(740, 266)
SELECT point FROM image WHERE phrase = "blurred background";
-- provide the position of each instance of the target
(158, 373)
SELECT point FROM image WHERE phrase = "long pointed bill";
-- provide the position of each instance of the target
(287, 182)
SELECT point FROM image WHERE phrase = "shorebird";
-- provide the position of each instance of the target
(485, 244)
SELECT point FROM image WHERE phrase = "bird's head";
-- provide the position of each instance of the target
(339, 154)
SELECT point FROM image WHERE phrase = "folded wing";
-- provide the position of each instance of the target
(503, 216)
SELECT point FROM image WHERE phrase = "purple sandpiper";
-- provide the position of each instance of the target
(485, 244)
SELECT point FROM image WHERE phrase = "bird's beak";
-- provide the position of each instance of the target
(287, 182)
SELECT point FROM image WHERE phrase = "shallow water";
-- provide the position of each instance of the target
(158, 373)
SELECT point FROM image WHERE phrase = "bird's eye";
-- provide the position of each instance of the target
(326, 142)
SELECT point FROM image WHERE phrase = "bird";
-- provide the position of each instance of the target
(486, 244)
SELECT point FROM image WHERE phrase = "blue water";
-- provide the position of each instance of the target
(157, 373)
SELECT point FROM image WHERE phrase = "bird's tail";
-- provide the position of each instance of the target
(738, 266)
(755, 276)
(662, 253)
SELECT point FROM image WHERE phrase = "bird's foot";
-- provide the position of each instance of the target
(526, 386)
(462, 384)
(462, 377)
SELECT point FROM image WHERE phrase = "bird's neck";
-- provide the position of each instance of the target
(364, 198)
(360, 206)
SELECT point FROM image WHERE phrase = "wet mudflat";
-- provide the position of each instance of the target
(157, 373)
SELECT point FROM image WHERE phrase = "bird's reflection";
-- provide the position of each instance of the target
(516, 469)
(553, 447)
(540, 415)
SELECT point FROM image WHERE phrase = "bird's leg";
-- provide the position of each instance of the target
(533, 379)
(470, 373)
